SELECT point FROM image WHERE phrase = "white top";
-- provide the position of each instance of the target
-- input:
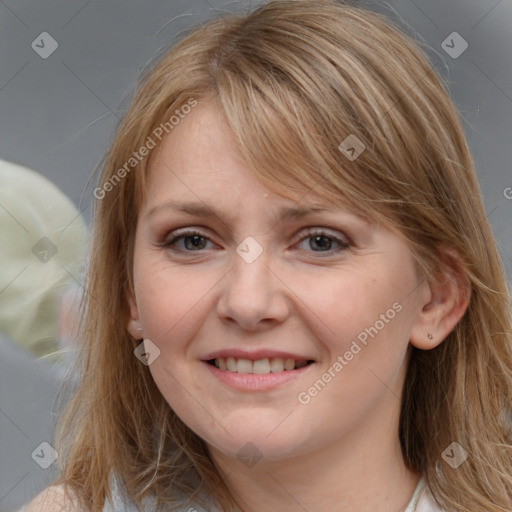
(421, 501)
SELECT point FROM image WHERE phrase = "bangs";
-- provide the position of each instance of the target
(292, 94)
(291, 140)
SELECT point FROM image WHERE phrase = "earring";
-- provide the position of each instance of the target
(430, 337)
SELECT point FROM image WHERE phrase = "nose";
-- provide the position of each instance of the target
(253, 296)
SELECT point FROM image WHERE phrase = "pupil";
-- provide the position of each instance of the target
(322, 245)
(197, 241)
(323, 242)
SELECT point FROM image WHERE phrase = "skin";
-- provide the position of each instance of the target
(341, 450)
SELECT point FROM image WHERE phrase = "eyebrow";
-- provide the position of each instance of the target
(202, 210)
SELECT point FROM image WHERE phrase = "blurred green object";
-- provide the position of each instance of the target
(43, 239)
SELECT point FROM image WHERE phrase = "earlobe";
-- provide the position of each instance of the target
(134, 326)
(447, 299)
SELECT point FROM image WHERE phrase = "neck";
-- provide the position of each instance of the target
(363, 471)
(303, 483)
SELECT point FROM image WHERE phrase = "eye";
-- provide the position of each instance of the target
(323, 241)
(319, 241)
(192, 241)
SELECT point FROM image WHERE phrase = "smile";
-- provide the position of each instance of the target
(258, 366)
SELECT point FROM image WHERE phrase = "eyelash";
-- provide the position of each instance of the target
(343, 245)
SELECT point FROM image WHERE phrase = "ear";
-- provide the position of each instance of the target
(444, 301)
(134, 326)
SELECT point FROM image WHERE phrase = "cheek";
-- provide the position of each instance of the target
(172, 306)
(349, 303)
(171, 300)
(364, 318)
(362, 322)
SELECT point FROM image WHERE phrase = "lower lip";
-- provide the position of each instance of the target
(254, 381)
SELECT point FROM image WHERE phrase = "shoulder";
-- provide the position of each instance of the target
(52, 499)
(426, 502)
(422, 499)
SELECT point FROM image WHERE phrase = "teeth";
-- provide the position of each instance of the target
(276, 365)
(244, 366)
(260, 366)
(231, 364)
(289, 364)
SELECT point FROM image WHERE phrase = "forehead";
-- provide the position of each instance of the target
(228, 192)
(198, 165)
(200, 155)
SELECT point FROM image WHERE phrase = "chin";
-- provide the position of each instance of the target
(251, 435)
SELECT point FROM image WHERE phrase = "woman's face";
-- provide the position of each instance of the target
(282, 329)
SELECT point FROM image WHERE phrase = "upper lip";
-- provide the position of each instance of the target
(254, 355)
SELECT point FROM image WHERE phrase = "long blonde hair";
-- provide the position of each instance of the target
(294, 80)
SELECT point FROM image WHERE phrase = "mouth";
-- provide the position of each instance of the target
(262, 366)
(258, 370)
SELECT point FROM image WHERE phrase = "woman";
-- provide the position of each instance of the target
(295, 301)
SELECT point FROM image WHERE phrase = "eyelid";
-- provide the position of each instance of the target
(342, 240)
(181, 233)
(312, 231)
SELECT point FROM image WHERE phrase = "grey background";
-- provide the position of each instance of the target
(58, 115)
